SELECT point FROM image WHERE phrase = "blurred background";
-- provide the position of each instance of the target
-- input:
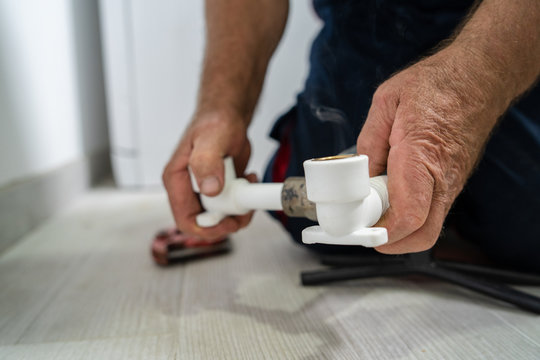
(93, 90)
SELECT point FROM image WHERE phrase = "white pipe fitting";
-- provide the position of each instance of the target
(238, 197)
(347, 201)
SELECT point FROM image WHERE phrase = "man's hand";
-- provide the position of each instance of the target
(241, 36)
(206, 142)
(428, 124)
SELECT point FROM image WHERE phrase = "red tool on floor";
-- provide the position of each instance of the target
(172, 246)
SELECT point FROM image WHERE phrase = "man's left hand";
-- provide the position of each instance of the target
(427, 126)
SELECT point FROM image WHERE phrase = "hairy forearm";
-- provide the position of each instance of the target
(503, 39)
(241, 36)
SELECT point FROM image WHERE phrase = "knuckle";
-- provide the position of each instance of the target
(166, 175)
(382, 96)
(196, 157)
(425, 244)
(204, 156)
(200, 161)
(182, 226)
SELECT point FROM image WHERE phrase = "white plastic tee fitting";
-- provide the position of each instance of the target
(347, 201)
(238, 197)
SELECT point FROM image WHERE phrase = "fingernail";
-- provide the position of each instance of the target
(210, 185)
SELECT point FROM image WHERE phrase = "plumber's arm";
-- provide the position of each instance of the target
(241, 36)
(429, 123)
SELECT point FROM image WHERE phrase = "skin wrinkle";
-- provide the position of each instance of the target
(439, 110)
(438, 149)
(430, 180)
(415, 172)
(463, 87)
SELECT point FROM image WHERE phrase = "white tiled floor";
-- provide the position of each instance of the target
(83, 286)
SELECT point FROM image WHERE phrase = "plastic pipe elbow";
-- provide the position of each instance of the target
(347, 201)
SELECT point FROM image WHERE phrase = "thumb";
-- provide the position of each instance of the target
(373, 138)
(206, 163)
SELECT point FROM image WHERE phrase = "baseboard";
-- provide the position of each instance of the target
(25, 204)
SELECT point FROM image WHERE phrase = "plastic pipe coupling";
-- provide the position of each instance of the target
(347, 201)
(238, 197)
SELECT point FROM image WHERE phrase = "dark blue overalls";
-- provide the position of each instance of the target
(362, 43)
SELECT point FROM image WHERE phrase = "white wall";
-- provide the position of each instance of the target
(52, 108)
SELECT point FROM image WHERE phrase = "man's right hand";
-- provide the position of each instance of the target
(207, 141)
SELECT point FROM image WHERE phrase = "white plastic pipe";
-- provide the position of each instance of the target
(238, 197)
(259, 196)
